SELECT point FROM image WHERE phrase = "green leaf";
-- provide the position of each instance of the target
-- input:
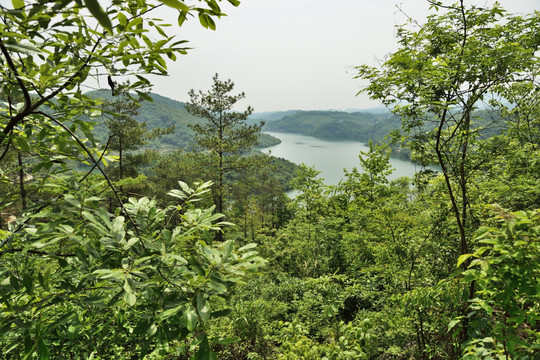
(170, 312)
(247, 247)
(228, 247)
(453, 323)
(101, 16)
(130, 243)
(203, 19)
(17, 4)
(25, 48)
(130, 298)
(217, 285)
(23, 144)
(122, 19)
(176, 5)
(203, 307)
(74, 330)
(28, 283)
(152, 329)
(43, 350)
(14, 282)
(463, 258)
(181, 18)
(191, 319)
(205, 353)
(234, 2)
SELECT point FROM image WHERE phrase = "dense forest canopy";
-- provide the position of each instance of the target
(111, 246)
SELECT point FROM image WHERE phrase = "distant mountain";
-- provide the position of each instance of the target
(269, 116)
(376, 110)
(333, 125)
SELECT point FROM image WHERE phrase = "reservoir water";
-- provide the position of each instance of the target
(330, 157)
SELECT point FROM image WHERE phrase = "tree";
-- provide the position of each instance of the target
(126, 134)
(443, 71)
(224, 132)
(78, 280)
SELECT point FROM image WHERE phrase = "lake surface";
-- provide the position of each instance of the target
(330, 157)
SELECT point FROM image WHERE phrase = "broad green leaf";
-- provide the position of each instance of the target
(181, 18)
(204, 352)
(14, 282)
(152, 329)
(228, 247)
(74, 330)
(95, 9)
(463, 258)
(25, 48)
(203, 307)
(122, 19)
(191, 319)
(17, 4)
(453, 323)
(23, 144)
(132, 241)
(176, 4)
(130, 298)
(170, 312)
(247, 247)
(28, 283)
(217, 285)
(43, 350)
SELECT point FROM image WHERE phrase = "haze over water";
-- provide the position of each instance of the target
(330, 157)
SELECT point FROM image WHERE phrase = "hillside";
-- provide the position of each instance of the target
(365, 125)
(270, 116)
(333, 125)
(164, 112)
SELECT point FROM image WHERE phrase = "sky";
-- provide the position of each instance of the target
(295, 54)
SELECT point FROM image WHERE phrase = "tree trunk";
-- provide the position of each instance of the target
(21, 182)
(120, 158)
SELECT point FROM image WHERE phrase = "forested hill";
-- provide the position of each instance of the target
(364, 125)
(164, 112)
(269, 116)
(161, 112)
(359, 126)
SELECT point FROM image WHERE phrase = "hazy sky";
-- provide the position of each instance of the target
(295, 54)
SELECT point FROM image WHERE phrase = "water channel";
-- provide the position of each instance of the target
(330, 157)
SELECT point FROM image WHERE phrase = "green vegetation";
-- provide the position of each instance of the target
(364, 126)
(161, 112)
(332, 125)
(444, 265)
(224, 134)
(126, 135)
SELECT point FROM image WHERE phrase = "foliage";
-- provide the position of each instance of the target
(80, 277)
(505, 311)
(224, 132)
(157, 112)
(76, 279)
(438, 77)
(126, 134)
(362, 270)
